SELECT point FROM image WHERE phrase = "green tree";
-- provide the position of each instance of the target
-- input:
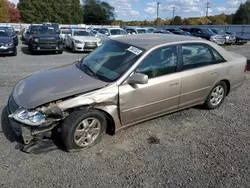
(229, 18)
(177, 20)
(242, 15)
(158, 22)
(97, 12)
(59, 11)
(4, 15)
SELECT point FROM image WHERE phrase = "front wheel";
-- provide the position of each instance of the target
(14, 52)
(216, 96)
(83, 129)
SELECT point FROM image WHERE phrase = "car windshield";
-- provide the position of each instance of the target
(3, 34)
(207, 31)
(43, 30)
(218, 31)
(9, 30)
(65, 31)
(110, 61)
(231, 33)
(83, 33)
(141, 31)
(117, 32)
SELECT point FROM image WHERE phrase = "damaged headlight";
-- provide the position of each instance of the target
(33, 118)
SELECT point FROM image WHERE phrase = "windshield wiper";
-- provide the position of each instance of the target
(89, 70)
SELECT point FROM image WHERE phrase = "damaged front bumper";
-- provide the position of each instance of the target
(31, 135)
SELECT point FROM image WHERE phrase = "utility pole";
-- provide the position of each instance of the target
(173, 8)
(158, 4)
(207, 7)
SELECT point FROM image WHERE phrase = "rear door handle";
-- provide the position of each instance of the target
(174, 83)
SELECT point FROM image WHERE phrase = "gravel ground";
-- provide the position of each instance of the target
(190, 148)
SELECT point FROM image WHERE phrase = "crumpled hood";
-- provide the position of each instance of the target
(53, 84)
(5, 40)
(85, 38)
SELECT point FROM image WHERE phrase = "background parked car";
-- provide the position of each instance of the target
(163, 32)
(63, 33)
(112, 32)
(229, 39)
(208, 34)
(7, 45)
(137, 30)
(178, 31)
(239, 39)
(151, 29)
(44, 38)
(11, 32)
(82, 40)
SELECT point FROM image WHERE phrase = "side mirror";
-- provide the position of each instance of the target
(199, 32)
(28, 33)
(138, 78)
(106, 33)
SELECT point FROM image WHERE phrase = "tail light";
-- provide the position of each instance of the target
(245, 69)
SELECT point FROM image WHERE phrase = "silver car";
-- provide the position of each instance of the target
(125, 81)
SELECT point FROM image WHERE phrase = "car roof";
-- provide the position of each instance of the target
(148, 41)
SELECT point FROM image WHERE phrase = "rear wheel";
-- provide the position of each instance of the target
(83, 129)
(216, 96)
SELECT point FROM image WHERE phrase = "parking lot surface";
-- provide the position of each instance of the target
(190, 148)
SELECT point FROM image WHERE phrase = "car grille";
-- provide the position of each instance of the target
(90, 44)
(50, 40)
(12, 104)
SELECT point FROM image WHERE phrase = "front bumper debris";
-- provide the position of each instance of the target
(35, 139)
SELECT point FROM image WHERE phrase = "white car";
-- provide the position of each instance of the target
(63, 33)
(137, 30)
(112, 32)
(82, 40)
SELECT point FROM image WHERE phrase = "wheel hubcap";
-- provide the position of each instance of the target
(217, 95)
(87, 132)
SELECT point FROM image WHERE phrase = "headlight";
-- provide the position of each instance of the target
(78, 42)
(9, 44)
(227, 37)
(36, 40)
(212, 37)
(33, 118)
(99, 42)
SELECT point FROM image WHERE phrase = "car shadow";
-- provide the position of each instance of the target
(26, 51)
(42, 146)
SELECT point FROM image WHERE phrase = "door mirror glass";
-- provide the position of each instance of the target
(138, 78)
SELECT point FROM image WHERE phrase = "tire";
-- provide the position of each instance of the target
(218, 99)
(15, 52)
(73, 48)
(74, 122)
(60, 52)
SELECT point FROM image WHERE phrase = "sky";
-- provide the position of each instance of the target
(146, 9)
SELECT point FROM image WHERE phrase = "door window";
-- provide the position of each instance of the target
(160, 62)
(196, 55)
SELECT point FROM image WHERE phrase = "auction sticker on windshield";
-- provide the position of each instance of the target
(134, 50)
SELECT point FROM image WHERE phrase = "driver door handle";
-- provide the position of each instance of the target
(174, 83)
